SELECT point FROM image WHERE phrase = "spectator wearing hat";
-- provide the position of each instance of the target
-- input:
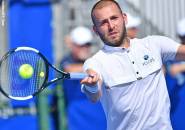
(79, 43)
(175, 75)
(181, 30)
(81, 114)
(132, 26)
(179, 67)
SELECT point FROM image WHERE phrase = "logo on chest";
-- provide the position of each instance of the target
(147, 60)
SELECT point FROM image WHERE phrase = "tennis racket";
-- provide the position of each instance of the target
(24, 73)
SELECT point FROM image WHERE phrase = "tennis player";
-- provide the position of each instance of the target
(126, 75)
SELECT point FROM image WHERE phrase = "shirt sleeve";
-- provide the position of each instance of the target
(91, 63)
(167, 47)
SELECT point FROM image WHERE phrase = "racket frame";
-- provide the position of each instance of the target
(65, 75)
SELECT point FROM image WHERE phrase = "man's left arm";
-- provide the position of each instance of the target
(181, 53)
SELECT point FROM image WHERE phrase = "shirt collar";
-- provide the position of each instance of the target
(114, 49)
(111, 48)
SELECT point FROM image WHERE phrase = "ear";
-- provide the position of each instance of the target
(125, 18)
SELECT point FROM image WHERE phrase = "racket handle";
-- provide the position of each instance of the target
(78, 75)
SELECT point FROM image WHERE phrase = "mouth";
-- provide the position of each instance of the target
(113, 35)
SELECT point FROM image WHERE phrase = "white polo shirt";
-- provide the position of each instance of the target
(134, 92)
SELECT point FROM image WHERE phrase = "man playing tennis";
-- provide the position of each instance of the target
(126, 75)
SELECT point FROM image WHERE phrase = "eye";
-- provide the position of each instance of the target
(103, 22)
(114, 17)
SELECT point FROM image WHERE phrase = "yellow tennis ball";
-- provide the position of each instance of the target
(42, 74)
(26, 71)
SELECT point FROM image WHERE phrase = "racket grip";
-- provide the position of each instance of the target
(78, 76)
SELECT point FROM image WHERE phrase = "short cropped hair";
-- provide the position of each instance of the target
(102, 3)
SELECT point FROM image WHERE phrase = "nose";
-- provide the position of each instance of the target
(110, 25)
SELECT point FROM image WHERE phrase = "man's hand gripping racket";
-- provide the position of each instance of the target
(91, 81)
(24, 73)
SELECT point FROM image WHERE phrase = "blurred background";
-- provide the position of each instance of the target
(44, 25)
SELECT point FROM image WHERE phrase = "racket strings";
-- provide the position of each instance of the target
(13, 83)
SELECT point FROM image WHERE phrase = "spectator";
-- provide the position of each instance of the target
(175, 76)
(177, 68)
(81, 114)
(181, 30)
(132, 26)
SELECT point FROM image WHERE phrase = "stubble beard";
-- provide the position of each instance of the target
(118, 42)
